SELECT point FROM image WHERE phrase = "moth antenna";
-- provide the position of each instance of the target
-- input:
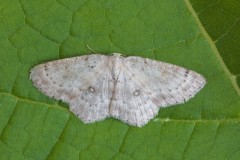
(91, 49)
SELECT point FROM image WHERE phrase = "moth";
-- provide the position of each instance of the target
(131, 89)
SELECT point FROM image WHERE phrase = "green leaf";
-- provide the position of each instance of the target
(33, 126)
(221, 20)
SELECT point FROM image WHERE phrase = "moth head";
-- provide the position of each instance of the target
(116, 54)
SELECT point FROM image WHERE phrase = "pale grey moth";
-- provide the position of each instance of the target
(131, 89)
